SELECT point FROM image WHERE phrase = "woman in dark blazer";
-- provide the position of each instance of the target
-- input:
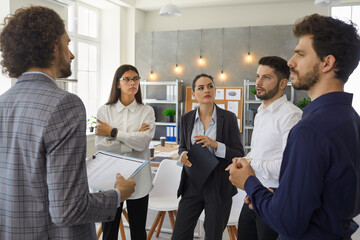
(216, 129)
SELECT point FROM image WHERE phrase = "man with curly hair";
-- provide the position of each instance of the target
(319, 186)
(44, 191)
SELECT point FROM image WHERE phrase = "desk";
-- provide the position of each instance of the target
(159, 150)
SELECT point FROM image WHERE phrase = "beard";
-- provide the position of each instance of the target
(306, 81)
(65, 69)
(270, 94)
(64, 66)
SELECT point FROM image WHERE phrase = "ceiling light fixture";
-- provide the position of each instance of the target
(152, 76)
(170, 10)
(326, 3)
(249, 57)
(177, 68)
(201, 60)
(222, 75)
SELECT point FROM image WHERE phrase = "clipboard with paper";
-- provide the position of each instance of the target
(203, 163)
(102, 169)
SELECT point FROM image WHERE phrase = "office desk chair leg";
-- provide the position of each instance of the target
(153, 227)
(121, 226)
(172, 220)
(99, 232)
(232, 230)
(122, 230)
(125, 215)
(160, 224)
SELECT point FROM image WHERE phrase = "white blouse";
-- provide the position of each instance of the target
(128, 120)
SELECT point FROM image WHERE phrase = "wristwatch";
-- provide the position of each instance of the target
(113, 132)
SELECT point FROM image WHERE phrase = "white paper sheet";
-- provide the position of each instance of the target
(233, 106)
(102, 170)
(166, 154)
(233, 94)
(219, 94)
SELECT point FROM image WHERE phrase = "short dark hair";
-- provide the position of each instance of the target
(199, 76)
(28, 39)
(281, 69)
(115, 92)
(332, 37)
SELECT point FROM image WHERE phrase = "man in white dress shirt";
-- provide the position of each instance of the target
(275, 117)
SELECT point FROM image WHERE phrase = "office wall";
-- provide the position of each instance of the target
(264, 41)
(110, 49)
(61, 10)
(270, 35)
(233, 16)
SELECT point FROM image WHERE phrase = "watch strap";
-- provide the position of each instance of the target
(113, 132)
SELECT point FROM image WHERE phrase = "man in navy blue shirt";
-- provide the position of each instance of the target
(319, 187)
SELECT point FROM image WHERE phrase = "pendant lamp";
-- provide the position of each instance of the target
(170, 10)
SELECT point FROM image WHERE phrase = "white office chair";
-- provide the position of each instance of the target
(238, 201)
(163, 197)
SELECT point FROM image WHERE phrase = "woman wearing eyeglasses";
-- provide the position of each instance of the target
(126, 126)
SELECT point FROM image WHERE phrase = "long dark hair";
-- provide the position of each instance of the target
(115, 92)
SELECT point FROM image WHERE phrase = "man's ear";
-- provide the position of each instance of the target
(283, 83)
(328, 63)
(56, 48)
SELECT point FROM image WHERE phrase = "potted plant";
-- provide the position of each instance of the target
(91, 123)
(303, 102)
(253, 91)
(170, 113)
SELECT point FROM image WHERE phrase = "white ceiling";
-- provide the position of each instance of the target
(150, 5)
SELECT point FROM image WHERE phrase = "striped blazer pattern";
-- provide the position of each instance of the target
(44, 191)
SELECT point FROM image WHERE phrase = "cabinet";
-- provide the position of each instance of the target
(162, 95)
(251, 102)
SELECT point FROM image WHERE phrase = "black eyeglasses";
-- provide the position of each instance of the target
(127, 79)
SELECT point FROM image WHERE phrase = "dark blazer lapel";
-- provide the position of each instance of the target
(190, 127)
(219, 124)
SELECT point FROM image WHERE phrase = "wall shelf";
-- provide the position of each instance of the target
(249, 100)
(154, 96)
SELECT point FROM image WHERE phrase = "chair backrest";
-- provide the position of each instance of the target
(238, 199)
(167, 179)
(238, 202)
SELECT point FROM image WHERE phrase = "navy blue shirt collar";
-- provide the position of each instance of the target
(328, 99)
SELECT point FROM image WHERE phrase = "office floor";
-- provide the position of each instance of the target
(165, 236)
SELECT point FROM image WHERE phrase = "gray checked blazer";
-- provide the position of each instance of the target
(44, 191)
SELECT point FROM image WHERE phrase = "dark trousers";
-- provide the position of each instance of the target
(137, 211)
(251, 227)
(190, 207)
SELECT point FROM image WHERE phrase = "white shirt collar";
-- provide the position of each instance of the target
(274, 105)
(132, 106)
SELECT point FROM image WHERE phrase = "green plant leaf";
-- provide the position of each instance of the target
(303, 102)
(169, 112)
